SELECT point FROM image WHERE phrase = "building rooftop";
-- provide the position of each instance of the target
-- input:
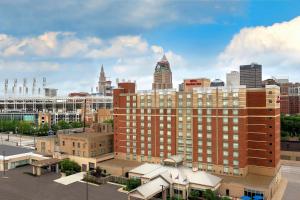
(13, 150)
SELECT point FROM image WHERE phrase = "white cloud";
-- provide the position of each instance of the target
(57, 53)
(276, 47)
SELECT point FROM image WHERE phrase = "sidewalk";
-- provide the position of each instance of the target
(281, 189)
(67, 180)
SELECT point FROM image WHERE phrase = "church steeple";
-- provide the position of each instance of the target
(102, 77)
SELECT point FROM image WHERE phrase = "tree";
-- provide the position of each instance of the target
(44, 128)
(25, 128)
(63, 125)
(194, 195)
(76, 124)
(109, 121)
(69, 167)
(210, 195)
(132, 184)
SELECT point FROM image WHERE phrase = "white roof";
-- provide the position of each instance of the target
(145, 168)
(22, 155)
(150, 189)
(180, 175)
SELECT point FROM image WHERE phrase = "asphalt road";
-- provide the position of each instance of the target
(292, 174)
(20, 186)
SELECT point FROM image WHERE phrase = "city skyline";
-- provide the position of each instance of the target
(72, 41)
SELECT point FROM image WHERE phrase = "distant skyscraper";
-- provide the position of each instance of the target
(162, 75)
(104, 86)
(251, 75)
(233, 78)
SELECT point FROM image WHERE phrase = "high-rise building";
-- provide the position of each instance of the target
(233, 78)
(104, 85)
(162, 78)
(251, 75)
(229, 131)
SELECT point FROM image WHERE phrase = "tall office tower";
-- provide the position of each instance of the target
(230, 131)
(251, 75)
(104, 86)
(233, 78)
(162, 78)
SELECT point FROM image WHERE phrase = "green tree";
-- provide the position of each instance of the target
(43, 129)
(194, 195)
(132, 184)
(25, 128)
(109, 121)
(69, 167)
(76, 124)
(63, 125)
(210, 195)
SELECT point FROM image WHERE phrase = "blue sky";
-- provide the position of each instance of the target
(68, 40)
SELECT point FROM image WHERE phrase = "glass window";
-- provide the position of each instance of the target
(235, 112)
(225, 112)
(235, 145)
(225, 128)
(235, 120)
(235, 128)
(225, 153)
(225, 162)
(225, 120)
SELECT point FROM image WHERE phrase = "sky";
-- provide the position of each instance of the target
(67, 41)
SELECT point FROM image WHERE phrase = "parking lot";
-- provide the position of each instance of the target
(22, 186)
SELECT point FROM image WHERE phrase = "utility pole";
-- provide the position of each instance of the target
(84, 113)
(87, 185)
(3, 163)
(162, 192)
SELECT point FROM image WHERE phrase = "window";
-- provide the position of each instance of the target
(208, 128)
(208, 159)
(63, 143)
(225, 162)
(225, 153)
(225, 136)
(235, 128)
(235, 145)
(208, 111)
(235, 112)
(225, 128)
(235, 120)
(225, 170)
(235, 137)
(225, 112)
(225, 145)
(235, 154)
(225, 120)
(235, 162)
(236, 171)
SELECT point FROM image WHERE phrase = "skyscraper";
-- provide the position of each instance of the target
(251, 75)
(233, 78)
(162, 78)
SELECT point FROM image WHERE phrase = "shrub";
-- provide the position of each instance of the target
(69, 167)
(132, 184)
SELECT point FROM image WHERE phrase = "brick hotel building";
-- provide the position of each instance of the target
(229, 131)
